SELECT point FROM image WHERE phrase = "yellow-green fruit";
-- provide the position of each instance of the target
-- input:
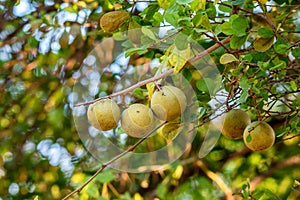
(290, 140)
(169, 103)
(170, 130)
(234, 124)
(137, 120)
(259, 136)
(104, 114)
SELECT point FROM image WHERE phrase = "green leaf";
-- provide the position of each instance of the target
(197, 19)
(244, 83)
(248, 138)
(208, 85)
(294, 86)
(172, 18)
(150, 88)
(263, 44)
(161, 190)
(201, 85)
(140, 51)
(226, 28)
(147, 32)
(244, 96)
(281, 48)
(178, 58)
(105, 177)
(236, 42)
(265, 32)
(205, 22)
(92, 190)
(239, 26)
(201, 18)
(181, 41)
(225, 9)
(187, 74)
(138, 93)
(158, 17)
(265, 194)
(296, 52)
(227, 58)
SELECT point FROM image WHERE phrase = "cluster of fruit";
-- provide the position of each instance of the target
(167, 104)
(258, 135)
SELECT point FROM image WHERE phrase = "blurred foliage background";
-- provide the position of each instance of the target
(43, 43)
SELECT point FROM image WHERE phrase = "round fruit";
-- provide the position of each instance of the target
(137, 120)
(104, 114)
(169, 103)
(234, 124)
(259, 136)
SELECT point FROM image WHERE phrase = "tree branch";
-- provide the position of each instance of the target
(130, 149)
(160, 76)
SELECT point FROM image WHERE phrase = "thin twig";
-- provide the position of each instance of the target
(130, 149)
(129, 89)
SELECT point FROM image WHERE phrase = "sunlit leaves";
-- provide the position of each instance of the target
(178, 58)
(150, 88)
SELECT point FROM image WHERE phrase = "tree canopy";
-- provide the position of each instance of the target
(57, 57)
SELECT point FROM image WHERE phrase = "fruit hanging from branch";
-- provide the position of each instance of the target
(104, 115)
(137, 120)
(168, 103)
(259, 136)
(234, 124)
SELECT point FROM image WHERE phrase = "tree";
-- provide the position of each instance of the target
(57, 57)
